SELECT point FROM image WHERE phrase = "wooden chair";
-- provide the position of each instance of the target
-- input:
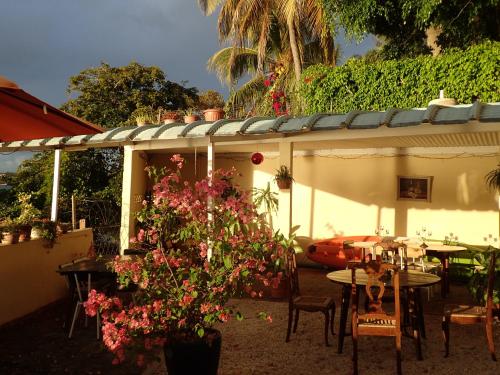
(461, 314)
(375, 321)
(297, 302)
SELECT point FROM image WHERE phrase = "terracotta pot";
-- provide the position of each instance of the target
(284, 184)
(213, 114)
(169, 121)
(191, 118)
(190, 354)
(10, 238)
(36, 233)
(25, 233)
(140, 123)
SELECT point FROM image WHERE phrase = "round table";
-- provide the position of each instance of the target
(410, 280)
(442, 252)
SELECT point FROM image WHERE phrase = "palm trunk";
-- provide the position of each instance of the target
(295, 50)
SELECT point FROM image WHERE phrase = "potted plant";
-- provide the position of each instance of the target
(144, 115)
(46, 230)
(283, 177)
(211, 102)
(9, 230)
(195, 264)
(28, 214)
(190, 115)
(169, 117)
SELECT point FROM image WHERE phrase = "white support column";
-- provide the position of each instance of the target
(133, 188)
(55, 184)
(210, 170)
(285, 196)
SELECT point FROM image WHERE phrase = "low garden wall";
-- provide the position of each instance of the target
(28, 277)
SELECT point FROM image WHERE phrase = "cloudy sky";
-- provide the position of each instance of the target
(44, 42)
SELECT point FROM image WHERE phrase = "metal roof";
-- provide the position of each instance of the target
(263, 127)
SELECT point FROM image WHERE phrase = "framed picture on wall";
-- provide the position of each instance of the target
(415, 188)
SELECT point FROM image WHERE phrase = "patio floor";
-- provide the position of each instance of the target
(38, 345)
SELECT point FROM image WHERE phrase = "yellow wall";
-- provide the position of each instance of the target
(354, 195)
(28, 276)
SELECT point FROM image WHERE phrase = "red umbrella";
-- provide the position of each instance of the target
(23, 117)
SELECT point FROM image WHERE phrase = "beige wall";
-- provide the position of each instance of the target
(28, 276)
(353, 195)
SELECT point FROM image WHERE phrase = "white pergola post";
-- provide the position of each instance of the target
(133, 187)
(210, 203)
(55, 184)
(285, 196)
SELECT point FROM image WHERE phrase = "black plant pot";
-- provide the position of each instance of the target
(186, 354)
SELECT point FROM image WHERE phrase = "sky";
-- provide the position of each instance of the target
(44, 42)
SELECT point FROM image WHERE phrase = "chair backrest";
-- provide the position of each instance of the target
(376, 272)
(491, 284)
(394, 246)
(293, 275)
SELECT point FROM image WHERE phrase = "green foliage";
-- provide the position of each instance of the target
(210, 99)
(403, 23)
(109, 95)
(478, 283)
(406, 83)
(283, 174)
(28, 211)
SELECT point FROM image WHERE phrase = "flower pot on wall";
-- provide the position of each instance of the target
(213, 114)
(168, 121)
(10, 238)
(187, 353)
(24, 233)
(188, 119)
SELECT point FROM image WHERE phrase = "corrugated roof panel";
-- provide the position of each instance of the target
(229, 128)
(199, 130)
(145, 134)
(407, 117)
(330, 122)
(261, 126)
(294, 124)
(55, 141)
(76, 140)
(172, 132)
(369, 120)
(490, 112)
(459, 114)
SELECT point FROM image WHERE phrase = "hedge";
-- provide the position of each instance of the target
(406, 83)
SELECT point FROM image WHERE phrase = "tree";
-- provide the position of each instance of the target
(108, 95)
(260, 37)
(253, 23)
(407, 26)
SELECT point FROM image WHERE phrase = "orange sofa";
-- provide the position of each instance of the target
(335, 253)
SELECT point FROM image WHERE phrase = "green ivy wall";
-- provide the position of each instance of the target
(406, 83)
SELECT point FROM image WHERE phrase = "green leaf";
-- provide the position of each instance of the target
(200, 332)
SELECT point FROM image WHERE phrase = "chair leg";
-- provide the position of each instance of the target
(98, 317)
(489, 337)
(289, 328)
(296, 322)
(75, 315)
(445, 325)
(332, 319)
(398, 354)
(327, 320)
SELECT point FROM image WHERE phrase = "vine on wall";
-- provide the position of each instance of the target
(406, 83)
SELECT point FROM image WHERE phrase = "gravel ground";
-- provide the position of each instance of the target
(38, 345)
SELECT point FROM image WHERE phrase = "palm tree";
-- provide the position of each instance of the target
(246, 23)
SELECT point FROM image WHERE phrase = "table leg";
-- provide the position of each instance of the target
(69, 305)
(344, 311)
(445, 284)
(420, 313)
(414, 322)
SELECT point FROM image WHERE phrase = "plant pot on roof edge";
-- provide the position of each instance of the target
(213, 114)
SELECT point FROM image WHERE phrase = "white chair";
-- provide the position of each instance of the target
(83, 287)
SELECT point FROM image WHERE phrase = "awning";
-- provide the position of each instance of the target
(24, 117)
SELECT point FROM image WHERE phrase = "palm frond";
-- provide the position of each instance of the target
(231, 63)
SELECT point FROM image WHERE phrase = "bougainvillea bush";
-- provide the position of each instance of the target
(206, 244)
